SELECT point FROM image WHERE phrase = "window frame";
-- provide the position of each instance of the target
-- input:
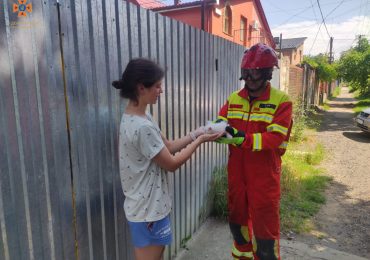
(227, 19)
(244, 30)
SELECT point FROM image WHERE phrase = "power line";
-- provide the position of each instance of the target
(290, 18)
(313, 9)
(315, 39)
(277, 7)
(346, 12)
(334, 9)
(279, 10)
(358, 23)
(323, 19)
(363, 20)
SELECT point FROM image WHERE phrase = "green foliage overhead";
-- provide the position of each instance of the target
(354, 66)
(325, 71)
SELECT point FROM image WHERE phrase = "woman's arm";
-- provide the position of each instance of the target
(178, 144)
(170, 162)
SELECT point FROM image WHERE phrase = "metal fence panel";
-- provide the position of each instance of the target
(35, 179)
(59, 119)
(94, 57)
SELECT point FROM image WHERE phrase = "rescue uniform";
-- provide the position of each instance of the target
(254, 167)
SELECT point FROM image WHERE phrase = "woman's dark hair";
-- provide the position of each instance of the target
(138, 71)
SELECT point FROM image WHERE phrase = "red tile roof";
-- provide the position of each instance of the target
(183, 5)
(149, 4)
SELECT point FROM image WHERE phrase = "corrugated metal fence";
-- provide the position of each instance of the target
(60, 193)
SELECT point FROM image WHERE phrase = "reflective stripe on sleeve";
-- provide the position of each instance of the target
(283, 145)
(277, 128)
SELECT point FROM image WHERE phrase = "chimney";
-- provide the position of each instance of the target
(177, 2)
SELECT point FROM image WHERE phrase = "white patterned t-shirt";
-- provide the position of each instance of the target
(144, 183)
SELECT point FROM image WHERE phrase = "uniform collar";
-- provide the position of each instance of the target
(265, 95)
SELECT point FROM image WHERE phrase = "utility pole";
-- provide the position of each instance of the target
(331, 58)
(203, 11)
(280, 40)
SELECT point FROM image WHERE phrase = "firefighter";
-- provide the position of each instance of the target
(259, 122)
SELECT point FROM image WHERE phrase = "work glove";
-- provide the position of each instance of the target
(218, 120)
(233, 137)
(197, 132)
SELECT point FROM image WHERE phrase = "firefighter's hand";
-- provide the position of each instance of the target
(218, 120)
(233, 136)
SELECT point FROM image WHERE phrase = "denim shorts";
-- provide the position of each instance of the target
(151, 233)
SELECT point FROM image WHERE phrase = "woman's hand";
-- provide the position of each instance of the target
(210, 137)
(197, 132)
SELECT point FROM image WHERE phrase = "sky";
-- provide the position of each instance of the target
(344, 20)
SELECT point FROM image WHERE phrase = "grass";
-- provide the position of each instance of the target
(303, 185)
(219, 193)
(326, 106)
(363, 102)
(335, 93)
(184, 242)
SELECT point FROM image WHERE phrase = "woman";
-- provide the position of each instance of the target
(144, 156)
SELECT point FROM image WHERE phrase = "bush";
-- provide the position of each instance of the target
(302, 119)
(299, 121)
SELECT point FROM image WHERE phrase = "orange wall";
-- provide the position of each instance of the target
(239, 8)
(191, 16)
(214, 22)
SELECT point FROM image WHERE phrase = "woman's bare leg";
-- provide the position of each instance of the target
(149, 253)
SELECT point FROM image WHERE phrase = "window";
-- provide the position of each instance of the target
(243, 28)
(227, 20)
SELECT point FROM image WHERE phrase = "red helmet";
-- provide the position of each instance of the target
(259, 56)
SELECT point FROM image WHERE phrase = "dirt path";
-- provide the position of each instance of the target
(343, 223)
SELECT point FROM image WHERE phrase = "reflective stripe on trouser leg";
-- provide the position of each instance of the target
(242, 252)
(242, 246)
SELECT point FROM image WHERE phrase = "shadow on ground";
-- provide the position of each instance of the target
(343, 105)
(361, 137)
(341, 99)
(337, 121)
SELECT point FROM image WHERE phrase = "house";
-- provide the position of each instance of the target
(148, 4)
(292, 49)
(240, 21)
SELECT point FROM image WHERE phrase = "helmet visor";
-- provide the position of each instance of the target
(251, 74)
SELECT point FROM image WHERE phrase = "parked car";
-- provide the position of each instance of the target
(362, 120)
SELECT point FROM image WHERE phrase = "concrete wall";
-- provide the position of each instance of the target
(284, 74)
(295, 82)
